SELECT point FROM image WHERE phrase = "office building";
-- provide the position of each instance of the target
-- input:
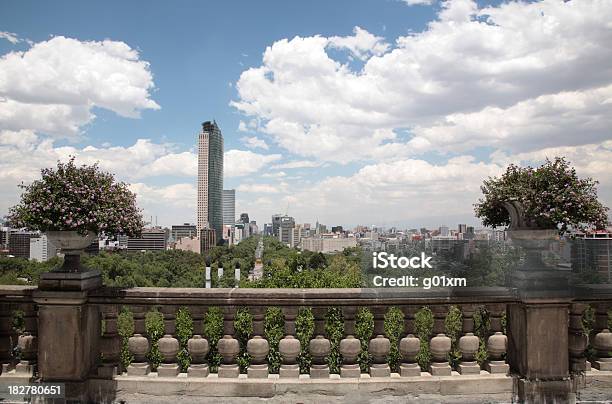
(191, 243)
(178, 231)
(328, 245)
(276, 220)
(19, 243)
(229, 207)
(285, 231)
(592, 253)
(210, 179)
(208, 239)
(153, 239)
(41, 249)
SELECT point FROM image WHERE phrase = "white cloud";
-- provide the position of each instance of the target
(259, 188)
(512, 57)
(254, 142)
(298, 164)
(278, 174)
(239, 163)
(419, 2)
(10, 36)
(362, 44)
(53, 86)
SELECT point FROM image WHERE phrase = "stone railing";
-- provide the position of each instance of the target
(544, 347)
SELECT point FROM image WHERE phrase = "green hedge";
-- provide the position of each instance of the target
(213, 332)
(274, 329)
(304, 330)
(125, 329)
(364, 328)
(394, 328)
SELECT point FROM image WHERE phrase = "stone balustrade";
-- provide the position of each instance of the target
(476, 348)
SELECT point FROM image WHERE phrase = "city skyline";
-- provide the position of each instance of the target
(358, 116)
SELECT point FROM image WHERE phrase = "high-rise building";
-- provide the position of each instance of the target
(178, 231)
(19, 243)
(229, 207)
(41, 249)
(462, 228)
(210, 179)
(150, 240)
(208, 239)
(285, 231)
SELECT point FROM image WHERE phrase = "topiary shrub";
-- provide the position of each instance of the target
(125, 329)
(18, 327)
(213, 332)
(154, 327)
(274, 329)
(394, 327)
(243, 325)
(482, 327)
(184, 331)
(304, 331)
(423, 327)
(453, 325)
(334, 329)
(364, 328)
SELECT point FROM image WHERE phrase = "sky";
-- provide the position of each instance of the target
(373, 112)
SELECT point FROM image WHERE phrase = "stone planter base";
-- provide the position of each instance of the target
(380, 370)
(410, 369)
(167, 370)
(77, 281)
(25, 367)
(319, 371)
(289, 371)
(497, 367)
(440, 369)
(350, 371)
(258, 371)
(603, 364)
(107, 371)
(200, 370)
(227, 371)
(469, 368)
(138, 369)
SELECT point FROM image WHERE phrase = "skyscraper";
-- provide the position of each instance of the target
(229, 207)
(210, 179)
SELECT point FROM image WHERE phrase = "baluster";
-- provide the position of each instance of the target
(289, 348)
(440, 346)
(497, 344)
(168, 348)
(577, 341)
(258, 348)
(138, 347)
(603, 345)
(290, 313)
(468, 345)
(228, 348)
(198, 348)
(350, 347)
(409, 348)
(319, 348)
(379, 349)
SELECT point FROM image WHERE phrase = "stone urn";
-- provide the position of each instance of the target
(258, 348)
(28, 346)
(379, 348)
(289, 348)
(602, 342)
(468, 345)
(350, 347)
(71, 244)
(169, 348)
(409, 347)
(319, 348)
(138, 347)
(497, 344)
(198, 349)
(228, 348)
(440, 346)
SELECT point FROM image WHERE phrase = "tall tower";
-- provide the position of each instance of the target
(210, 179)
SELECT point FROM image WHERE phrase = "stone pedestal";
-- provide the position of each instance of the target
(73, 281)
(497, 367)
(228, 371)
(289, 371)
(538, 348)
(258, 371)
(600, 364)
(25, 367)
(167, 370)
(68, 333)
(440, 369)
(200, 370)
(319, 371)
(469, 368)
(380, 370)
(138, 369)
(7, 367)
(350, 371)
(410, 370)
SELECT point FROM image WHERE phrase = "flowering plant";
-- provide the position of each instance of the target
(79, 199)
(552, 196)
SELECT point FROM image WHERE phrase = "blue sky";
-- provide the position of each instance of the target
(440, 84)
